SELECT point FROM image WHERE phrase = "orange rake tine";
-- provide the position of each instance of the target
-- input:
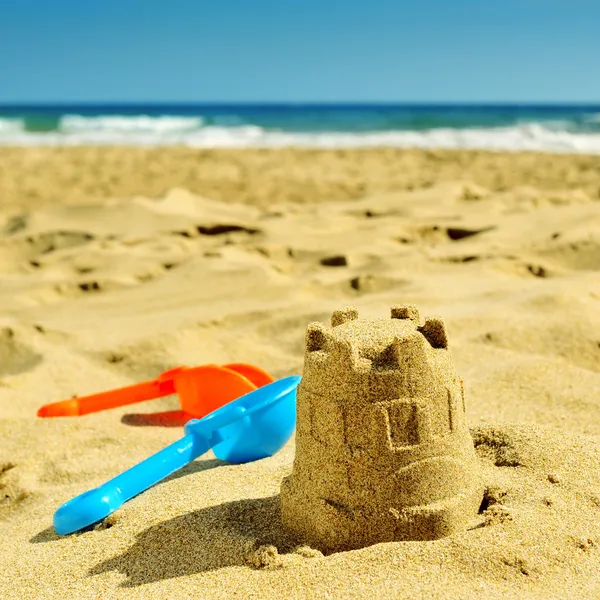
(256, 375)
(204, 389)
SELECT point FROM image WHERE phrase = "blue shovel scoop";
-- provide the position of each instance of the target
(251, 427)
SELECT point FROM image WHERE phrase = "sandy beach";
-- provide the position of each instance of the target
(119, 263)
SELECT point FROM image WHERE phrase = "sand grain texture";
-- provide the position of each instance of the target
(116, 264)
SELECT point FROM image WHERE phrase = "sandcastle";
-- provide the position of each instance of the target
(383, 452)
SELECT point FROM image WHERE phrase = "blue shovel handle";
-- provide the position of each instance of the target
(201, 435)
(95, 505)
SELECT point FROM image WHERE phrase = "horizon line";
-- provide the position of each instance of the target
(299, 104)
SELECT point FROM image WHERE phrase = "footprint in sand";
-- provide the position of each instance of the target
(338, 260)
(438, 234)
(579, 254)
(373, 284)
(15, 356)
(49, 241)
(29, 249)
(11, 492)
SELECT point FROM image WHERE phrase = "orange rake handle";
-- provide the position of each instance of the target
(164, 385)
(200, 390)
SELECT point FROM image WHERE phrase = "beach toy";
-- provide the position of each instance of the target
(252, 427)
(200, 390)
(383, 451)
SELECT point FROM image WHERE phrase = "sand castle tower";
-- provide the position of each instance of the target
(382, 448)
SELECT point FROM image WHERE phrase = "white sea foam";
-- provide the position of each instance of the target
(75, 130)
(10, 126)
(162, 125)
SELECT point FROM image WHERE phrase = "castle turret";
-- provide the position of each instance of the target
(383, 451)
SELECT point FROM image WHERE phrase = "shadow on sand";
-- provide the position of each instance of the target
(200, 541)
(169, 418)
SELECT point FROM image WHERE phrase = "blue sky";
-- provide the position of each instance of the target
(299, 50)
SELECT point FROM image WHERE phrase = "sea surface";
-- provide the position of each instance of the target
(551, 128)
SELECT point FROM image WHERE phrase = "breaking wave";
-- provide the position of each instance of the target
(195, 131)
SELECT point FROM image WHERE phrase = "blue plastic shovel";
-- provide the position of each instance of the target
(251, 427)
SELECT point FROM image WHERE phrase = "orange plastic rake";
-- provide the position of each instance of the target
(201, 390)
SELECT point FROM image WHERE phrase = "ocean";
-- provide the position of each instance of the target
(550, 128)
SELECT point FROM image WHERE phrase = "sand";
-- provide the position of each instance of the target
(116, 264)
